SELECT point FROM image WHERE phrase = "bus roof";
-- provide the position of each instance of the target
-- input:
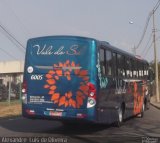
(63, 37)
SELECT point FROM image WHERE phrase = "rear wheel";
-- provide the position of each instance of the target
(120, 117)
(142, 111)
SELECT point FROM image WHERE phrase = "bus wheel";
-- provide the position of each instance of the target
(120, 117)
(142, 111)
(147, 103)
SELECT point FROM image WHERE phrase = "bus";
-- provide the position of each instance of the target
(73, 78)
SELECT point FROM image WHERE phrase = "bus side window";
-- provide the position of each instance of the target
(108, 62)
(145, 71)
(134, 68)
(128, 68)
(140, 67)
(121, 66)
(102, 62)
(114, 64)
(137, 69)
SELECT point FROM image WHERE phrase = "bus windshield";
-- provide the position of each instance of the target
(58, 52)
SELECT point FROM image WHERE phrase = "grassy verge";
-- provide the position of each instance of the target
(10, 110)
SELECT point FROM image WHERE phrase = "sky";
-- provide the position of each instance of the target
(119, 22)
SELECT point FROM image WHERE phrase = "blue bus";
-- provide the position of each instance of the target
(72, 78)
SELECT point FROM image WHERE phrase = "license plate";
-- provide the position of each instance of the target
(58, 114)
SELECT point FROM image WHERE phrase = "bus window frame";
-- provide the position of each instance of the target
(107, 74)
(114, 70)
(102, 72)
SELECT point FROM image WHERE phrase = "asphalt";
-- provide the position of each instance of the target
(154, 102)
(133, 130)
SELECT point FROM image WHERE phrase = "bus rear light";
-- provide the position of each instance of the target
(92, 94)
(24, 87)
(92, 90)
(30, 112)
(23, 90)
(24, 98)
(80, 115)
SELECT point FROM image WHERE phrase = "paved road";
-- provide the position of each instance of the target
(132, 130)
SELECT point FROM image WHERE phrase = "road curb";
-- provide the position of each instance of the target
(155, 106)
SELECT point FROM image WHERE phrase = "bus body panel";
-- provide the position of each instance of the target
(117, 91)
(57, 73)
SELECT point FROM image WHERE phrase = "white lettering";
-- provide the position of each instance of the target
(44, 51)
(73, 50)
(60, 51)
(49, 50)
(36, 77)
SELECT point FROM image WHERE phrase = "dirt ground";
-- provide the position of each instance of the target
(9, 110)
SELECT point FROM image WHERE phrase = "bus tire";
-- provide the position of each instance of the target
(140, 115)
(119, 121)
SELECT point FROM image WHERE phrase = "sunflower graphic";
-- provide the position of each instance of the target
(64, 70)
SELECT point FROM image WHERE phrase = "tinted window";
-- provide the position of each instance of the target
(102, 61)
(120, 65)
(140, 69)
(48, 51)
(145, 70)
(114, 64)
(128, 67)
(134, 68)
(108, 62)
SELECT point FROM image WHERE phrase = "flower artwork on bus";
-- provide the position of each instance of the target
(67, 100)
(139, 93)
